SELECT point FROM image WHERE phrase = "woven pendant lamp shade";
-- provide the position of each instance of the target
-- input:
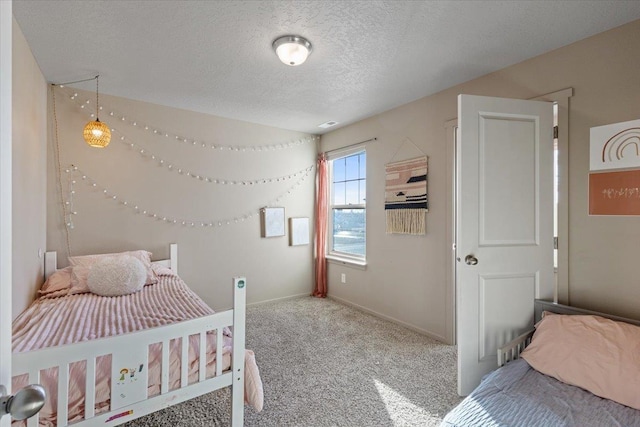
(97, 134)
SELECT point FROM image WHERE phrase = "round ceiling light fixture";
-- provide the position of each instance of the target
(292, 50)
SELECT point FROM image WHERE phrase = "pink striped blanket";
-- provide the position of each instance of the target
(82, 317)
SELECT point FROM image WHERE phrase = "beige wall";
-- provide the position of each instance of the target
(29, 124)
(208, 257)
(406, 276)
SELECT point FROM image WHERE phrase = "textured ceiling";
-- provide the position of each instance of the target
(368, 56)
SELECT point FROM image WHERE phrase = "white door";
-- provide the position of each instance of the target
(5, 200)
(504, 221)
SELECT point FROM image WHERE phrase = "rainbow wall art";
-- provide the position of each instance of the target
(614, 165)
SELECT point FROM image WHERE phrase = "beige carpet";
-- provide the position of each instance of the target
(326, 364)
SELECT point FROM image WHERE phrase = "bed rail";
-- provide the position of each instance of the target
(511, 350)
(129, 398)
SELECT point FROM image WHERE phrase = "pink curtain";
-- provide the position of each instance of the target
(322, 199)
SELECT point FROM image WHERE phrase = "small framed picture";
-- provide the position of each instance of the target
(272, 222)
(298, 231)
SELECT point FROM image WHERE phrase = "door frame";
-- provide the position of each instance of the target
(561, 99)
(6, 245)
(561, 294)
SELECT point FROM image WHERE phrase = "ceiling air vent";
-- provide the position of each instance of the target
(328, 124)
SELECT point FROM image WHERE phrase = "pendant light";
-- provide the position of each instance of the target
(96, 133)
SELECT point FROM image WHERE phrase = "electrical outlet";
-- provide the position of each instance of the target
(343, 278)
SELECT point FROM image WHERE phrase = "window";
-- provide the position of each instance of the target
(347, 205)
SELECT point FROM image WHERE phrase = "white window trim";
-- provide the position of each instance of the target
(335, 257)
(346, 261)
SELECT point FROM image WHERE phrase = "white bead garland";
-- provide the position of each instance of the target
(161, 217)
(196, 143)
(201, 177)
(69, 202)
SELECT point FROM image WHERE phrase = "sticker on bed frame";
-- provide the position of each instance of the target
(128, 377)
(120, 415)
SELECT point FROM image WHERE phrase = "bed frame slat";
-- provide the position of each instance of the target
(202, 357)
(164, 387)
(239, 318)
(218, 351)
(511, 350)
(173, 257)
(63, 390)
(50, 263)
(184, 364)
(90, 394)
(34, 378)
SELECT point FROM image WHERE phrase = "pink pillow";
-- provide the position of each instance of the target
(597, 354)
(79, 280)
(90, 260)
(58, 281)
(161, 270)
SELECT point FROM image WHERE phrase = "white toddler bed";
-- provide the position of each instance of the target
(109, 360)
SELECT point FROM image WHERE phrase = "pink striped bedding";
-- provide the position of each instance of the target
(82, 317)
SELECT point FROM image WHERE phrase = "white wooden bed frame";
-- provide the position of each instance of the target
(33, 362)
(511, 350)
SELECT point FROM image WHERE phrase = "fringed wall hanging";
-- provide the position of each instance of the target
(405, 200)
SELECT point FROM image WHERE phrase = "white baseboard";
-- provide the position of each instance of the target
(390, 319)
(308, 294)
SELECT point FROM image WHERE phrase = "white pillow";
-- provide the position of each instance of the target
(117, 275)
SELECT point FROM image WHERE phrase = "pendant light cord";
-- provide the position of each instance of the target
(96, 78)
(97, 99)
(59, 170)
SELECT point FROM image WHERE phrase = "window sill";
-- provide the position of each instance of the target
(359, 264)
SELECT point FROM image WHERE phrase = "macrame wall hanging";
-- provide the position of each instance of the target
(405, 201)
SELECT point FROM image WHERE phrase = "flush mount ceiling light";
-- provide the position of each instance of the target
(292, 50)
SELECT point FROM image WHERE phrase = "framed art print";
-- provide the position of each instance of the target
(272, 222)
(298, 231)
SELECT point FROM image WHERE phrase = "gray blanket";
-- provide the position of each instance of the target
(517, 395)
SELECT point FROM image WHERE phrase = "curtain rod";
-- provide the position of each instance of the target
(351, 145)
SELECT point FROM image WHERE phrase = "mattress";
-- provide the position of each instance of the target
(82, 317)
(518, 395)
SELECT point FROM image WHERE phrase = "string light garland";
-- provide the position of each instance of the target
(172, 167)
(188, 140)
(76, 174)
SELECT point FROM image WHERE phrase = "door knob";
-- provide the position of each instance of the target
(471, 260)
(24, 404)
